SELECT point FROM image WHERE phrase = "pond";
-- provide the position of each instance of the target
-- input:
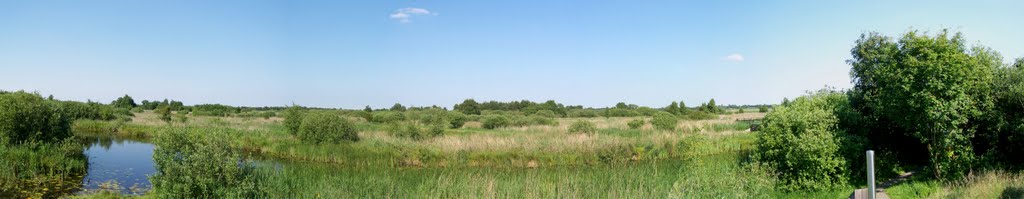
(127, 162)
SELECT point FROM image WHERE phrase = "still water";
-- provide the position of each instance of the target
(127, 162)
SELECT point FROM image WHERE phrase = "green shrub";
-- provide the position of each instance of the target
(27, 117)
(293, 118)
(664, 121)
(545, 113)
(496, 121)
(700, 115)
(415, 130)
(196, 163)
(762, 109)
(583, 126)
(326, 127)
(457, 119)
(620, 112)
(125, 102)
(79, 110)
(138, 110)
(164, 112)
(218, 110)
(803, 144)
(582, 113)
(387, 117)
(636, 123)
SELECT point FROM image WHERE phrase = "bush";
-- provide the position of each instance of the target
(762, 109)
(457, 119)
(293, 118)
(196, 163)
(804, 144)
(620, 112)
(164, 112)
(496, 121)
(416, 131)
(700, 115)
(582, 113)
(546, 113)
(387, 117)
(326, 127)
(664, 121)
(583, 126)
(636, 123)
(541, 120)
(27, 117)
(79, 110)
(214, 110)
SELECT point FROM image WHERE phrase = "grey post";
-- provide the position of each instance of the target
(871, 174)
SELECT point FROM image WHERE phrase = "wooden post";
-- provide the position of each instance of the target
(871, 174)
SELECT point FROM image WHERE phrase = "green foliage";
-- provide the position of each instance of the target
(582, 113)
(636, 123)
(416, 130)
(196, 163)
(293, 118)
(387, 117)
(803, 143)
(619, 112)
(27, 117)
(214, 110)
(664, 121)
(762, 109)
(164, 112)
(469, 106)
(457, 119)
(496, 121)
(326, 127)
(583, 126)
(546, 113)
(673, 108)
(125, 102)
(397, 107)
(934, 89)
(41, 170)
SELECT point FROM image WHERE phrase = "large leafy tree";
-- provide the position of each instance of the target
(469, 106)
(933, 88)
(124, 102)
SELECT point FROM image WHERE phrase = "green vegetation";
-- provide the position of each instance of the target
(636, 123)
(583, 126)
(665, 121)
(194, 163)
(326, 127)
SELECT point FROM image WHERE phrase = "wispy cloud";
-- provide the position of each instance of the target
(736, 57)
(403, 15)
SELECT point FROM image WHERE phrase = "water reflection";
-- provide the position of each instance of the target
(122, 161)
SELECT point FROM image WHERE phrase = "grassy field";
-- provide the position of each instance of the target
(700, 159)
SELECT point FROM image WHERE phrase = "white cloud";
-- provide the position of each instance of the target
(403, 15)
(736, 57)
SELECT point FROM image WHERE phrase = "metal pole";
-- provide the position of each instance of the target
(871, 174)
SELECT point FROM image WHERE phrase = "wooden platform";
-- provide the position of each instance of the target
(863, 194)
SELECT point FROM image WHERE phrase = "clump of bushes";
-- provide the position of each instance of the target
(583, 126)
(416, 131)
(582, 113)
(195, 163)
(326, 127)
(495, 121)
(636, 123)
(28, 117)
(664, 121)
(805, 145)
(387, 117)
(293, 118)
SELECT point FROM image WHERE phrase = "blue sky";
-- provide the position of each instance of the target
(349, 54)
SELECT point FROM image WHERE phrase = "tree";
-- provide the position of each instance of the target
(397, 107)
(621, 105)
(469, 107)
(124, 102)
(164, 111)
(934, 89)
(672, 108)
(368, 109)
